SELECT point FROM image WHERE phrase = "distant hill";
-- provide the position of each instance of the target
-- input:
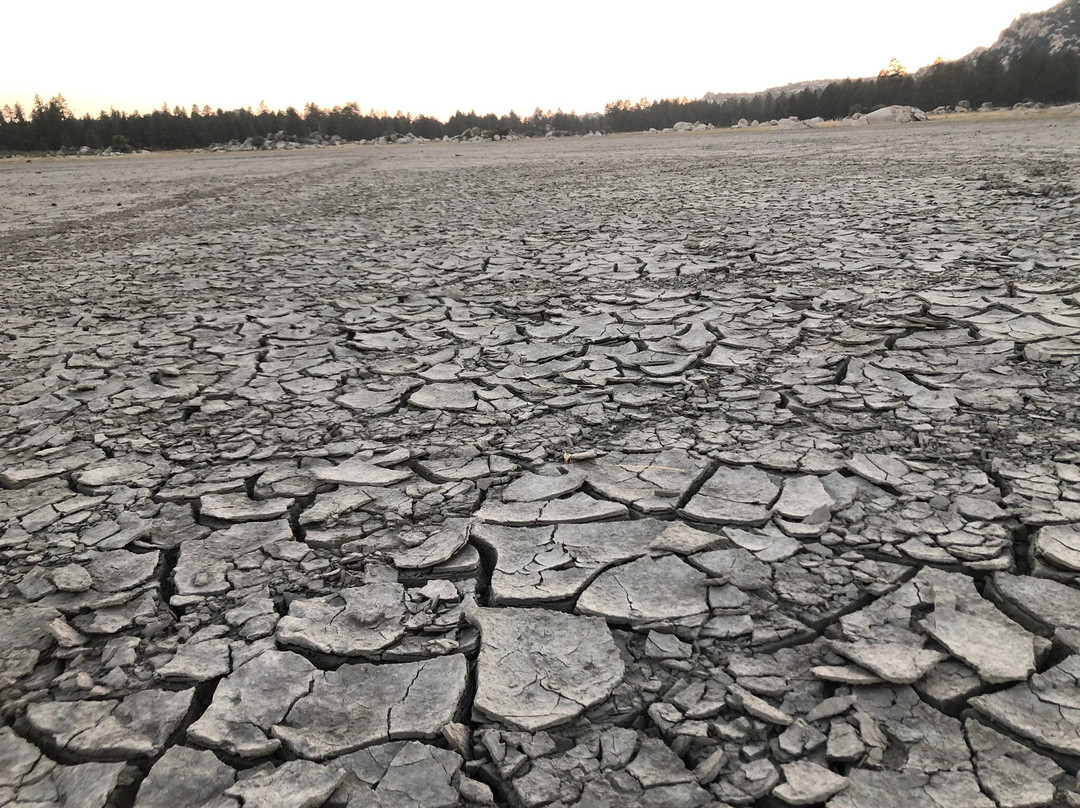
(1054, 30)
(787, 89)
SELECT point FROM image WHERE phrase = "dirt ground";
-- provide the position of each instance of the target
(711, 469)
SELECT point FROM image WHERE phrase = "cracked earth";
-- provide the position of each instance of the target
(716, 470)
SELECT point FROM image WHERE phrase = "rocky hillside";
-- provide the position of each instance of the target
(1056, 29)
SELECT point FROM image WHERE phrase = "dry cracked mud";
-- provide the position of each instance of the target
(716, 470)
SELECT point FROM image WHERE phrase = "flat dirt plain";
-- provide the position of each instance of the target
(734, 468)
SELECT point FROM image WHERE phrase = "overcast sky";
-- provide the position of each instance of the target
(436, 57)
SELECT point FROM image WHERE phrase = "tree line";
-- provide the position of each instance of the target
(50, 125)
(1035, 75)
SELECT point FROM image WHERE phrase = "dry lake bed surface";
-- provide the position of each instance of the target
(672, 471)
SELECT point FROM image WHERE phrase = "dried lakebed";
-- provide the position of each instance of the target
(724, 469)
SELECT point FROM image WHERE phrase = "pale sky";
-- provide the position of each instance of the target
(435, 57)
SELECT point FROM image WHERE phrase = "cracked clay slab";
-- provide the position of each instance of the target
(539, 668)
